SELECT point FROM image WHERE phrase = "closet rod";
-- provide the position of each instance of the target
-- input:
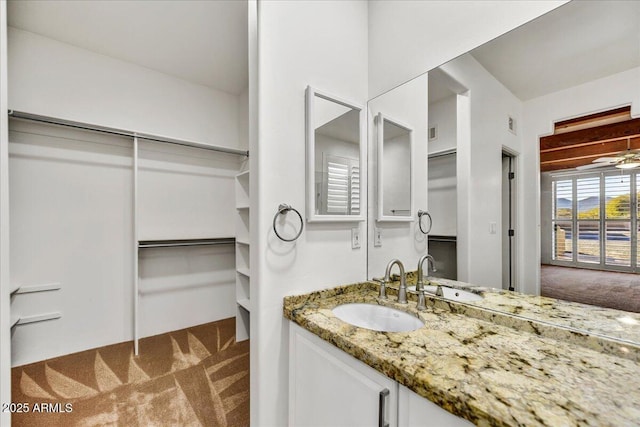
(121, 132)
(187, 242)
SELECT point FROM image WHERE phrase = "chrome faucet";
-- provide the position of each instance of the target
(432, 266)
(402, 292)
(420, 283)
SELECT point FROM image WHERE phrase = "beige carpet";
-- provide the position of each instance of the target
(594, 287)
(193, 377)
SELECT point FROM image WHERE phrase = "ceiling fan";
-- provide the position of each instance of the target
(628, 159)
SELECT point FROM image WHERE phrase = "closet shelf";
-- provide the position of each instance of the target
(245, 303)
(242, 174)
(35, 288)
(127, 133)
(242, 207)
(24, 320)
(142, 244)
(242, 242)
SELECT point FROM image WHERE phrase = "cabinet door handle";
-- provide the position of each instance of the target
(382, 408)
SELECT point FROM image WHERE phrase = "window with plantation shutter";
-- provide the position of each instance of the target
(595, 220)
(337, 186)
(354, 188)
(341, 188)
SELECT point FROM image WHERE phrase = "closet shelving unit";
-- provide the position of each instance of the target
(143, 244)
(243, 266)
(242, 243)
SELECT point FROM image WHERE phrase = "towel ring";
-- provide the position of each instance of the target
(422, 213)
(283, 209)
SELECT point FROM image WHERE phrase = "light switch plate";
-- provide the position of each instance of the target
(493, 226)
(355, 238)
(377, 237)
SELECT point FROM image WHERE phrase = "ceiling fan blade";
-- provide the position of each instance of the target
(608, 159)
(594, 165)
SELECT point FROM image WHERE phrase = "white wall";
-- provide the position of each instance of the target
(539, 115)
(490, 106)
(55, 79)
(334, 147)
(397, 176)
(322, 44)
(184, 287)
(184, 193)
(243, 120)
(443, 200)
(443, 115)
(408, 105)
(421, 35)
(5, 332)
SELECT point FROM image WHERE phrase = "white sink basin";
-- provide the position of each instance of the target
(450, 293)
(377, 317)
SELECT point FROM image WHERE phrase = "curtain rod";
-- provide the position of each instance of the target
(121, 132)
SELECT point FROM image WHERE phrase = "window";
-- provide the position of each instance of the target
(595, 220)
(341, 188)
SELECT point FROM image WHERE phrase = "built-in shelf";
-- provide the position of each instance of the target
(243, 265)
(28, 289)
(25, 320)
(245, 303)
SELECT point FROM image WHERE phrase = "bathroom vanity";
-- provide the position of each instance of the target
(455, 370)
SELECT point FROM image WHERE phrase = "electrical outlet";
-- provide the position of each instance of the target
(377, 237)
(355, 238)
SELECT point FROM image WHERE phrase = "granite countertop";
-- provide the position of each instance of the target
(604, 329)
(488, 373)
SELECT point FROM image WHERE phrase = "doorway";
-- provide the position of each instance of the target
(508, 227)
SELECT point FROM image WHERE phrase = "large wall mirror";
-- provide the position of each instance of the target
(487, 112)
(395, 158)
(335, 149)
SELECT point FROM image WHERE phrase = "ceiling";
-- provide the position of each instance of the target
(574, 44)
(204, 42)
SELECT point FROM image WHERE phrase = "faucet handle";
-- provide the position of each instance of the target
(421, 300)
(383, 287)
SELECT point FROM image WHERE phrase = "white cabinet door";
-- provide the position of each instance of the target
(328, 387)
(414, 410)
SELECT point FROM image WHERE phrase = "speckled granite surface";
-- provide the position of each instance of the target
(487, 373)
(603, 329)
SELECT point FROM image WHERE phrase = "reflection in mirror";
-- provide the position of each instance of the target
(577, 61)
(395, 201)
(334, 151)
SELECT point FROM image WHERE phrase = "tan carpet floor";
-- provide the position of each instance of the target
(602, 288)
(197, 376)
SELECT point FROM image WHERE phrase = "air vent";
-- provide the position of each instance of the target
(511, 123)
(433, 133)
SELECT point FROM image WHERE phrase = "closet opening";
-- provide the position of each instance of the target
(129, 197)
